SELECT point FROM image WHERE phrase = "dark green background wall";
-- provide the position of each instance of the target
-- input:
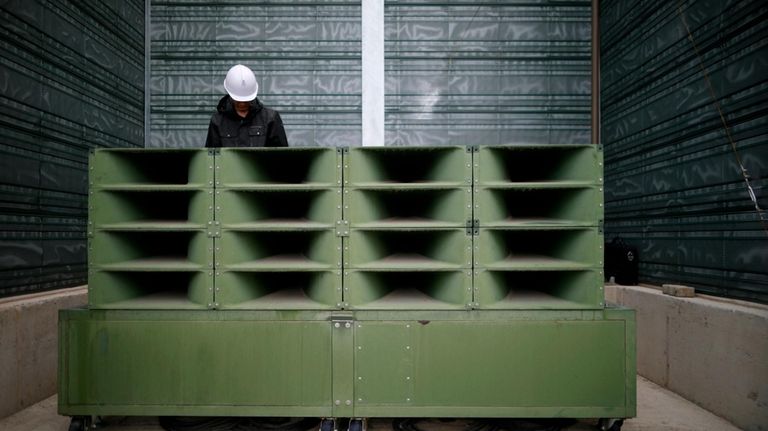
(306, 57)
(72, 78)
(487, 72)
(483, 72)
(673, 185)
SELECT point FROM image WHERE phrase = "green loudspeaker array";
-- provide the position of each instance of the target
(148, 245)
(278, 209)
(408, 245)
(539, 240)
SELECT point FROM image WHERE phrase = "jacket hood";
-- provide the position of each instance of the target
(226, 106)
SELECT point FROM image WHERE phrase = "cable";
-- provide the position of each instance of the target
(727, 129)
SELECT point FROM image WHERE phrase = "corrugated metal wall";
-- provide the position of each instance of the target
(72, 78)
(306, 56)
(482, 72)
(673, 184)
(487, 72)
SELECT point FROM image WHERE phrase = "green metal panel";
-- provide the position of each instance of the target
(577, 364)
(72, 79)
(343, 365)
(674, 186)
(348, 364)
(173, 364)
(384, 382)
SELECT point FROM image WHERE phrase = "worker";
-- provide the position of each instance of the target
(240, 119)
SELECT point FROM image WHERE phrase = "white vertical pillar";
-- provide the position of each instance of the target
(373, 72)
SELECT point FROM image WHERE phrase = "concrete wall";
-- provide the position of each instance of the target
(711, 351)
(29, 346)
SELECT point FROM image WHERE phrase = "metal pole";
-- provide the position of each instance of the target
(373, 72)
(596, 72)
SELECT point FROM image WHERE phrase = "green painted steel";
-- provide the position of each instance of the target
(539, 364)
(176, 363)
(674, 185)
(539, 241)
(363, 282)
(150, 242)
(72, 79)
(279, 247)
(349, 364)
(408, 209)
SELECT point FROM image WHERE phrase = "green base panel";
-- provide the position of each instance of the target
(464, 363)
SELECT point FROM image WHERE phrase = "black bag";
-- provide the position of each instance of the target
(621, 262)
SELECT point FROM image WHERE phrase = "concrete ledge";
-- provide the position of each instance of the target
(29, 346)
(709, 350)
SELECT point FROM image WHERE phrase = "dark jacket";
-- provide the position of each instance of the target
(262, 127)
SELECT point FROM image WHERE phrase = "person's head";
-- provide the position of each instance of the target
(241, 86)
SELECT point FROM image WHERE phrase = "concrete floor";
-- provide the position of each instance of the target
(658, 410)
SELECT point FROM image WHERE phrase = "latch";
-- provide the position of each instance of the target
(473, 227)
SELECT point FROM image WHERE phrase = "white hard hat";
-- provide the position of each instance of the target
(241, 83)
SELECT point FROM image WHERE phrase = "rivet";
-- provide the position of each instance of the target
(347, 325)
(359, 378)
(348, 402)
(337, 325)
(407, 347)
(337, 402)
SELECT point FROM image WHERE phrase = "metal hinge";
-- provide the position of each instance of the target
(342, 227)
(473, 227)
